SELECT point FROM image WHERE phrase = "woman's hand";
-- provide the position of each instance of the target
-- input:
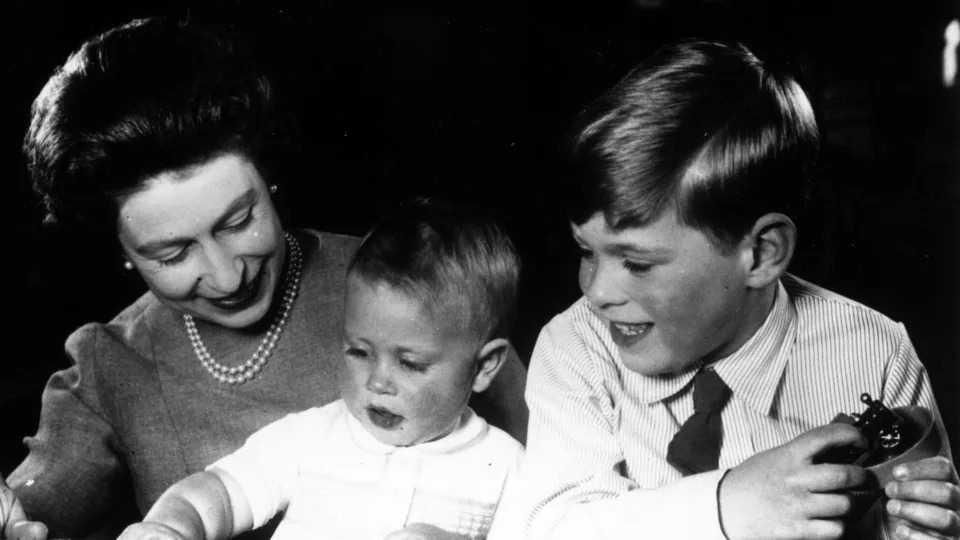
(14, 524)
(924, 500)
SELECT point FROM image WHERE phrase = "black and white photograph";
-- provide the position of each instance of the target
(418, 270)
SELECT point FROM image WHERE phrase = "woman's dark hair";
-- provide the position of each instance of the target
(459, 261)
(703, 126)
(147, 97)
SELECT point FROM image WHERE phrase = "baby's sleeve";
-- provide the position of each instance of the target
(267, 466)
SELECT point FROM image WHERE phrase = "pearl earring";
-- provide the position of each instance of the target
(127, 265)
(273, 188)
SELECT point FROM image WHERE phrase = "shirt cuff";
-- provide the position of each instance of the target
(685, 509)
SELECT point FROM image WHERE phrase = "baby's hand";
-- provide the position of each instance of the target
(146, 530)
(924, 499)
(422, 531)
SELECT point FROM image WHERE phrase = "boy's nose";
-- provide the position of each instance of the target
(598, 284)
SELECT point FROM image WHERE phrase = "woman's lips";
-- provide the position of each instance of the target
(383, 418)
(627, 334)
(243, 297)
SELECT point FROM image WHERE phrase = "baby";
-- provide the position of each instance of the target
(429, 299)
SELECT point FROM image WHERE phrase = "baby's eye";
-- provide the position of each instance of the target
(412, 365)
(637, 267)
(355, 352)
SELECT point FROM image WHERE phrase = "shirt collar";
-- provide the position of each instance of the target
(752, 372)
(469, 428)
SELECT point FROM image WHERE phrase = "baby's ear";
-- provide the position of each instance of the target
(490, 359)
(770, 245)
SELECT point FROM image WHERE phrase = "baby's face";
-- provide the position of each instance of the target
(406, 377)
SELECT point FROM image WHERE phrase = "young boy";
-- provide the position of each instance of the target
(684, 179)
(430, 296)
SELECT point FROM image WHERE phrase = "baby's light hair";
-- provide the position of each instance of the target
(453, 258)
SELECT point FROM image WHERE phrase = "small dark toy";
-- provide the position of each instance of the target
(888, 435)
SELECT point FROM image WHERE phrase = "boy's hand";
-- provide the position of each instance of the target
(423, 531)
(146, 530)
(780, 493)
(924, 500)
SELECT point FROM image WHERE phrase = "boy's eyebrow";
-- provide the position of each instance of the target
(624, 247)
(620, 248)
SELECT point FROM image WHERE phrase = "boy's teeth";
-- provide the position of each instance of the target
(629, 329)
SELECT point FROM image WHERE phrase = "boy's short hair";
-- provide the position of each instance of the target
(451, 257)
(704, 126)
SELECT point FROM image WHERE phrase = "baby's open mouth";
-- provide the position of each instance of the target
(383, 418)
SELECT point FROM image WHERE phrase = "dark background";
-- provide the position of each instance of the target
(470, 101)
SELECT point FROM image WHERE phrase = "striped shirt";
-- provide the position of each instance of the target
(597, 442)
(334, 480)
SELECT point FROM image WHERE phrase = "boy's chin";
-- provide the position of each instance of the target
(655, 363)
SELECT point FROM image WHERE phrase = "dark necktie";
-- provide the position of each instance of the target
(696, 447)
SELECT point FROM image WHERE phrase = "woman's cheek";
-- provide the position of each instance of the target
(172, 284)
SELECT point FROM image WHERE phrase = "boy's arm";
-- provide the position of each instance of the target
(573, 476)
(204, 505)
(574, 469)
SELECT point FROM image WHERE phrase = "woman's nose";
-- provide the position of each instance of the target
(599, 285)
(224, 272)
(380, 380)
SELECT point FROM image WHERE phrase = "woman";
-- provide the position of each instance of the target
(159, 135)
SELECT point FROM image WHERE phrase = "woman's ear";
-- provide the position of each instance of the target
(490, 359)
(771, 242)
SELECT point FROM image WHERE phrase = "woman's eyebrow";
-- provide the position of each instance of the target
(245, 199)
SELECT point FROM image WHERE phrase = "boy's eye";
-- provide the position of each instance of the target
(637, 267)
(585, 253)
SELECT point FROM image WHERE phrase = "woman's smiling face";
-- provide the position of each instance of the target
(207, 240)
(670, 296)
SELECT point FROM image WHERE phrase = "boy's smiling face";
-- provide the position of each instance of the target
(670, 296)
(407, 375)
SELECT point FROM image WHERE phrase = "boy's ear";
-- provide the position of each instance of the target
(490, 359)
(769, 248)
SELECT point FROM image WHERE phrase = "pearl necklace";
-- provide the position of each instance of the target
(244, 372)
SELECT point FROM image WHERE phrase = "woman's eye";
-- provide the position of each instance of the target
(175, 259)
(637, 267)
(240, 223)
